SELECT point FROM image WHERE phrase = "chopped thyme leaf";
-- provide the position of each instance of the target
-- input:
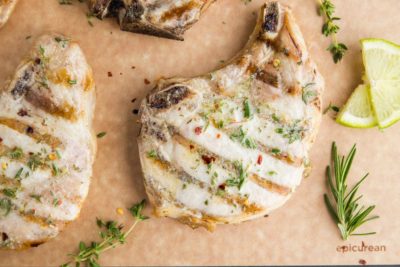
(18, 174)
(307, 94)
(240, 178)
(72, 82)
(247, 109)
(16, 153)
(275, 118)
(239, 135)
(5, 206)
(55, 169)
(331, 107)
(101, 134)
(38, 198)
(34, 162)
(11, 193)
(184, 186)
(271, 173)
(152, 154)
(206, 202)
(292, 131)
(275, 151)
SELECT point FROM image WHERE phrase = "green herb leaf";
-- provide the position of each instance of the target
(5, 206)
(344, 208)
(111, 235)
(101, 134)
(247, 109)
(330, 28)
(136, 210)
(240, 136)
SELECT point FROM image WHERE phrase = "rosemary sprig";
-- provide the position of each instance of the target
(345, 209)
(330, 28)
(111, 235)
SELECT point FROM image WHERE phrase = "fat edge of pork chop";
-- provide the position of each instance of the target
(47, 147)
(233, 145)
(161, 18)
(6, 8)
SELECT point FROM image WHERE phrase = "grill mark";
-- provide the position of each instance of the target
(271, 18)
(262, 182)
(169, 97)
(179, 11)
(42, 221)
(44, 103)
(185, 177)
(24, 159)
(23, 129)
(8, 181)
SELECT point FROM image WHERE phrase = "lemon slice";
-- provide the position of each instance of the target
(358, 111)
(382, 67)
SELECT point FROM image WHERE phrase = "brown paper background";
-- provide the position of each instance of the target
(301, 232)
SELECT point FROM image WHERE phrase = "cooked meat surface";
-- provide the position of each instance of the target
(6, 8)
(233, 145)
(162, 18)
(46, 143)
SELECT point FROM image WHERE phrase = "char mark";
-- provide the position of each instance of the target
(268, 78)
(271, 18)
(167, 98)
(23, 84)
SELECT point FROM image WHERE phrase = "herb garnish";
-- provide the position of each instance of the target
(240, 178)
(11, 193)
(112, 236)
(101, 134)
(307, 94)
(330, 28)
(345, 209)
(240, 135)
(5, 206)
(65, 2)
(292, 131)
(247, 109)
(330, 107)
(152, 154)
(16, 153)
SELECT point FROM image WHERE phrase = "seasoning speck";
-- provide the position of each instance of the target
(135, 111)
(120, 211)
(362, 262)
(133, 100)
(146, 81)
(109, 74)
(29, 130)
(22, 112)
(198, 130)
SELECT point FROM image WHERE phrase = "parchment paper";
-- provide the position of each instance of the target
(301, 232)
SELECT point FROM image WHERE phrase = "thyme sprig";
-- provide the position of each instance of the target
(111, 235)
(345, 209)
(330, 29)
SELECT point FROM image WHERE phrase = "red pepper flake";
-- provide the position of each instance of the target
(198, 130)
(22, 112)
(218, 135)
(259, 159)
(222, 187)
(207, 159)
(362, 262)
(59, 202)
(146, 81)
(191, 146)
(109, 74)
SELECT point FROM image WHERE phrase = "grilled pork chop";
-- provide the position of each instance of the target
(162, 18)
(233, 145)
(6, 8)
(46, 143)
